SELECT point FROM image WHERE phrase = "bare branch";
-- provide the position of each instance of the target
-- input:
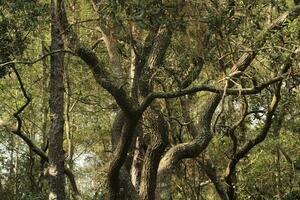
(31, 62)
(208, 88)
(22, 108)
(245, 149)
(24, 136)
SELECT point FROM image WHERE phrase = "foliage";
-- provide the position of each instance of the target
(215, 31)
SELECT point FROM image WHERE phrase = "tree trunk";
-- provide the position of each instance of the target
(56, 104)
(158, 143)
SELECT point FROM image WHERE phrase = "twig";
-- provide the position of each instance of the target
(36, 60)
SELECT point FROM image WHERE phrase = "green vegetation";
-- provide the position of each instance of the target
(149, 99)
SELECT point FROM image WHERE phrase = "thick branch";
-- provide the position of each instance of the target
(102, 76)
(119, 158)
(197, 145)
(245, 91)
(158, 143)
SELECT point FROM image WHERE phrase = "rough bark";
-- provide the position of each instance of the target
(197, 145)
(158, 143)
(154, 59)
(119, 158)
(56, 105)
(158, 138)
(98, 68)
(105, 79)
(127, 188)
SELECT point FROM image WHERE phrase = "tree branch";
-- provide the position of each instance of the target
(28, 62)
(25, 137)
(201, 88)
(101, 74)
(230, 172)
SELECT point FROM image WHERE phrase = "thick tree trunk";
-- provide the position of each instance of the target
(56, 104)
(187, 150)
(119, 159)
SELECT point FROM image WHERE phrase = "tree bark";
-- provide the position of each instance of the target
(137, 160)
(56, 104)
(158, 143)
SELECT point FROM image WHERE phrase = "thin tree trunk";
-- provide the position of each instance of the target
(56, 104)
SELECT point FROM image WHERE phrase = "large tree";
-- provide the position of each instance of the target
(192, 88)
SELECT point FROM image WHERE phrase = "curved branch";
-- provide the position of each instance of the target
(230, 172)
(27, 97)
(24, 136)
(241, 65)
(101, 74)
(246, 91)
(197, 145)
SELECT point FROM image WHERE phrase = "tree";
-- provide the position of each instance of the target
(56, 105)
(195, 90)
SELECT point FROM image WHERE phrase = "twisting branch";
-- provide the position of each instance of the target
(27, 140)
(102, 76)
(245, 149)
(207, 164)
(18, 130)
(246, 91)
(197, 145)
(22, 108)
